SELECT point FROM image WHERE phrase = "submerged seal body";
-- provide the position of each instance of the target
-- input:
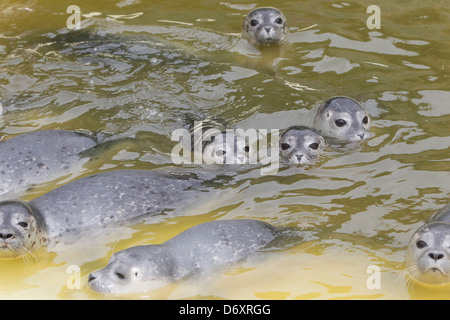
(90, 202)
(428, 256)
(300, 145)
(265, 27)
(204, 246)
(342, 118)
(39, 156)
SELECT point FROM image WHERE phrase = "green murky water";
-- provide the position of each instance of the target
(139, 69)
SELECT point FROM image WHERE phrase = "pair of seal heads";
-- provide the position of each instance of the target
(40, 156)
(265, 27)
(428, 256)
(342, 118)
(204, 246)
(91, 202)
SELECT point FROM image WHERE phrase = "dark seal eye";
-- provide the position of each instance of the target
(23, 224)
(120, 275)
(285, 146)
(340, 122)
(314, 146)
(254, 22)
(421, 244)
(365, 120)
(278, 21)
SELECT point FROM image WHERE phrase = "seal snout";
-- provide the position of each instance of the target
(435, 256)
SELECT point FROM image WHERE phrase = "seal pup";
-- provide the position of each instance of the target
(265, 27)
(342, 118)
(300, 145)
(204, 246)
(90, 203)
(40, 156)
(216, 144)
(428, 257)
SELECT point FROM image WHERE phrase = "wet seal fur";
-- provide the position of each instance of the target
(94, 201)
(428, 256)
(40, 156)
(343, 119)
(204, 246)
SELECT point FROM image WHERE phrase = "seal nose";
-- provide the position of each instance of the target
(6, 236)
(361, 135)
(435, 255)
(299, 156)
(91, 277)
(267, 29)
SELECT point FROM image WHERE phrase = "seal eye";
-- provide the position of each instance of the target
(220, 153)
(365, 120)
(120, 275)
(285, 146)
(421, 244)
(314, 146)
(23, 224)
(340, 122)
(278, 21)
(254, 23)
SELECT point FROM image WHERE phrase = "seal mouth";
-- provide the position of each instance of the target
(435, 270)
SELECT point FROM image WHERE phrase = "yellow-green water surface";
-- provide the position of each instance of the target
(140, 69)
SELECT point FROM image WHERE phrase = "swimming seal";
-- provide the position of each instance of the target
(39, 156)
(300, 145)
(265, 27)
(216, 144)
(207, 245)
(428, 256)
(94, 202)
(342, 118)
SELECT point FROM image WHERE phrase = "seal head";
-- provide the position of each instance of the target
(342, 118)
(22, 229)
(300, 145)
(264, 27)
(428, 255)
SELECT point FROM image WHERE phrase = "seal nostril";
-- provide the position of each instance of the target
(268, 29)
(6, 236)
(361, 135)
(299, 156)
(435, 256)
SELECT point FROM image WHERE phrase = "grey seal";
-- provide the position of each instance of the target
(300, 145)
(91, 202)
(342, 118)
(265, 27)
(216, 144)
(428, 257)
(204, 246)
(40, 156)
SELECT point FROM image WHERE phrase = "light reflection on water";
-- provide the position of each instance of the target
(141, 76)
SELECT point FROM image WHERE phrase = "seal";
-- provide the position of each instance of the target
(428, 257)
(342, 118)
(90, 203)
(40, 156)
(216, 144)
(204, 246)
(265, 27)
(300, 145)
